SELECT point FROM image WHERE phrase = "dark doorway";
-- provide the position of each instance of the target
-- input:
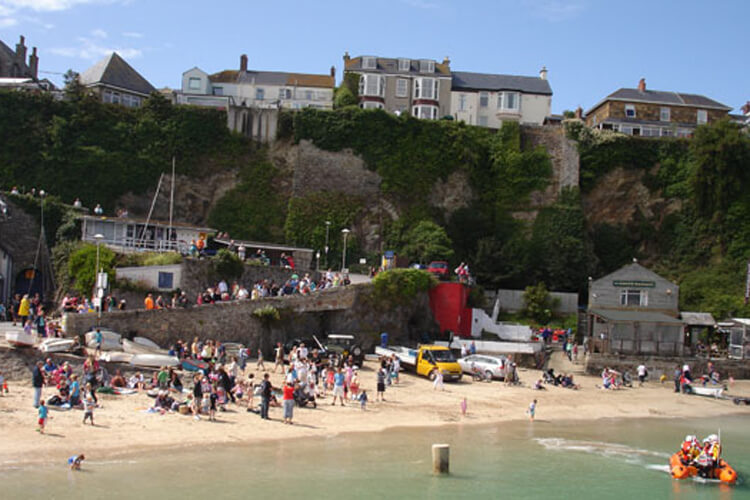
(29, 281)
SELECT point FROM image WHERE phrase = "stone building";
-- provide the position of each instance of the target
(635, 311)
(13, 64)
(421, 87)
(654, 113)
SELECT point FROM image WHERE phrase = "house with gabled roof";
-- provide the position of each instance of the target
(13, 62)
(115, 81)
(654, 113)
(488, 100)
(421, 87)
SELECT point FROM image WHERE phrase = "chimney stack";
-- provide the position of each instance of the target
(346, 57)
(447, 61)
(21, 51)
(543, 73)
(642, 85)
(33, 63)
(579, 113)
(333, 72)
(243, 63)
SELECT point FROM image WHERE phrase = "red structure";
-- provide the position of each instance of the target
(448, 303)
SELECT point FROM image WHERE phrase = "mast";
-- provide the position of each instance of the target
(171, 207)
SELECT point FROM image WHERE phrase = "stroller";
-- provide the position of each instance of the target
(302, 398)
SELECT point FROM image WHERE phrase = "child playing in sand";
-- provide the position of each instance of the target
(88, 409)
(42, 416)
(75, 461)
(532, 410)
(363, 399)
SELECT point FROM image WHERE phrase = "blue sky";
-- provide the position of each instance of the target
(590, 47)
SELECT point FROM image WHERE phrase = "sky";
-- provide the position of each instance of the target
(590, 47)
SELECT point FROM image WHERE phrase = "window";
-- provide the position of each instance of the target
(194, 83)
(166, 280)
(664, 114)
(462, 102)
(507, 101)
(631, 297)
(285, 93)
(218, 90)
(372, 85)
(482, 121)
(369, 62)
(702, 116)
(115, 98)
(484, 99)
(404, 64)
(426, 66)
(402, 87)
(260, 94)
(630, 111)
(650, 132)
(665, 132)
(309, 95)
(372, 105)
(425, 112)
(426, 88)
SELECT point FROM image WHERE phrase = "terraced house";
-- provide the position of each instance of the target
(654, 113)
(421, 87)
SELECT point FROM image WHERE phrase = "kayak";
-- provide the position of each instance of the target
(194, 365)
(20, 339)
(714, 392)
(147, 343)
(154, 360)
(135, 347)
(722, 472)
(115, 357)
(56, 345)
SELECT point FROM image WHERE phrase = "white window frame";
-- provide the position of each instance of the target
(425, 111)
(260, 94)
(484, 99)
(404, 64)
(701, 117)
(665, 114)
(217, 91)
(482, 121)
(422, 85)
(372, 105)
(285, 93)
(462, 99)
(502, 101)
(402, 87)
(630, 108)
(368, 87)
(369, 62)
(629, 294)
(194, 83)
(426, 66)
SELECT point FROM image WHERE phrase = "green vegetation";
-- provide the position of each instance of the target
(538, 304)
(227, 265)
(397, 285)
(426, 242)
(267, 314)
(82, 267)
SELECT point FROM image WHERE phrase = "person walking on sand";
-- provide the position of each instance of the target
(37, 382)
(438, 379)
(42, 417)
(279, 357)
(259, 365)
(532, 410)
(88, 409)
(266, 391)
(338, 386)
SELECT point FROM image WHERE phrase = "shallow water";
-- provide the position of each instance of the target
(602, 459)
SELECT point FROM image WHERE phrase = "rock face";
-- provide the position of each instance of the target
(339, 310)
(563, 156)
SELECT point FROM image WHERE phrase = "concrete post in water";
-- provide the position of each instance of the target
(441, 458)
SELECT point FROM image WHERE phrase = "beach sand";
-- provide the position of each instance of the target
(123, 427)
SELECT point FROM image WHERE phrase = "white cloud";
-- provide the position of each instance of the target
(99, 33)
(92, 50)
(555, 10)
(7, 22)
(47, 5)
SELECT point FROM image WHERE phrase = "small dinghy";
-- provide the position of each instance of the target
(56, 345)
(20, 339)
(193, 365)
(115, 357)
(713, 392)
(110, 340)
(147, 343)
(154, 360)
(138, 348)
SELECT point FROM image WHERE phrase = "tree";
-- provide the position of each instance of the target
(82, 267)
(426, 242)
(73, 89)
(720, 167)
(538, 303)
(344, 97)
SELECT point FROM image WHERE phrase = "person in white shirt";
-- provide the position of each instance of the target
(642, 372)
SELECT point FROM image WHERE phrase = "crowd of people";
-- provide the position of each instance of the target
(704, 456)
(29, 312)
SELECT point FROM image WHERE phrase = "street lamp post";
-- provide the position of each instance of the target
(328, 226)
(98, 237)
(345, 232)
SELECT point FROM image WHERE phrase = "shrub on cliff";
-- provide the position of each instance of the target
(394, 286)
(227, 265)
(82, 267)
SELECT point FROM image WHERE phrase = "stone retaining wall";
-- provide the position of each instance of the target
(595, 363)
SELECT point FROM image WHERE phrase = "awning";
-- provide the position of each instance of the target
(697, 319)
(620, 316)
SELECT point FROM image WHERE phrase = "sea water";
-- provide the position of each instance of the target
(577, 460)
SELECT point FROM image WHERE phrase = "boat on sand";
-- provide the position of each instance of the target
(154, 360)
(20, 339)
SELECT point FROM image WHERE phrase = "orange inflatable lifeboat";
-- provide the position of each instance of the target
(723, 471)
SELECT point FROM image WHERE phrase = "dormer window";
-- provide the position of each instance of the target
(426, 66)
(369, 62)
(404, 64)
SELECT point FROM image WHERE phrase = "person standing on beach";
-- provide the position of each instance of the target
(380, 378)
(338, 386)
(532, 410)
(88, 410)
(438, 379)
(42, 417)
(279, 357)
(289, 402)
(642, 372)
(265, 396)
(37, 382)
(259, 365)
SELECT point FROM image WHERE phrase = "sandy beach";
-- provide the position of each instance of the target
(123, 427)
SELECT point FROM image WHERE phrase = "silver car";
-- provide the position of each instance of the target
(490, 366)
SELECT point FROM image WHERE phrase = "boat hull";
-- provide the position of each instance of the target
(722, 472)
(154, 360)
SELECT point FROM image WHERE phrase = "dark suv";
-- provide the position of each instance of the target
(344, 346)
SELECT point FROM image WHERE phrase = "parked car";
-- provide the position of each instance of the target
(344, 345)
(439, 268)
(491, 366)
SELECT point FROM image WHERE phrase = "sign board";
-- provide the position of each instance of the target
(388, 254)
(634, 283)
(363, 261)
(101, 280)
